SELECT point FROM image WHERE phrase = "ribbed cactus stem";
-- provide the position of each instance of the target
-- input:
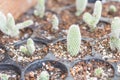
(92, 20)
(80, 6)
(55, 23)
(40, 9)
(115, 33)
(73, 40)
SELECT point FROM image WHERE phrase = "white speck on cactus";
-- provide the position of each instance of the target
(80, 6)
(73, 40)
(92, 20)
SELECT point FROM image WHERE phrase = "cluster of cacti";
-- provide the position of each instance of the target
(92, 20)
(73, 40)
(29, 48)
(55, 23)
(44, 75)
(115, 33)
(112, 9)
(8, 26)
(3, 77)
(80, 6)
(40, 9)
(98, 72)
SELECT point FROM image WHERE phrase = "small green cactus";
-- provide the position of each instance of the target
(98, 72)
(44, 75)
(29, 48)
(112, 9)
(92, 20)
(80, 6)
(55, 23)
(115, 33)
(4, 77)
(8, 25)
(73, 40)
(40, 9)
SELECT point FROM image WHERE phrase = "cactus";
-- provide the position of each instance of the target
(112, 9)
(8, 26)
(80, 6)
(55, 23)
(44, 75)
(40, 9)
(3, 77)
(115, 32)
(29, 48)
(92, 20)
(73, 40)
(98, 71)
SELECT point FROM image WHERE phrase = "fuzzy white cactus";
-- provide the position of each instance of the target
(98, 71)
(92, 20)
(8, 26)
(80, 6)
(115, 33)
(55, 23)
(4, 77)
(73, 40)
(40, 9)
(44, 75)
(29, 48)
(112, 9)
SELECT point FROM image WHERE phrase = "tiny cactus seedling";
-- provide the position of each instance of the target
(8, 26)
(29, 48)
(92, 20)
(44, 75)
(98, 72)
(80, 6)
(73, 40)
(3, 77)
(112, 9)
(40, 9)
(115, 33)
(55, 23)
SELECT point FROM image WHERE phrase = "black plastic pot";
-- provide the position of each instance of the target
(93, 1)
(97, 60)
(13, 67)
(38, 64)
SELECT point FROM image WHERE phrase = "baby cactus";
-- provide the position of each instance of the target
(8, 25)
(80, 6)
(92, 20)
(112, 9)
(73, 40)
(44, 75)
(55, 23)
(98, 71)
(3, 77)
(115, 32)
(40, 9)
(29, 48)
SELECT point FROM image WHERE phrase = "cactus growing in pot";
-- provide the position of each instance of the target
(29, 48)
(8, 26)
(80, 6)
(73, 40)
(40, 9)
(115, 33)
(92, 20)
(55, 23)
(44, 75)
